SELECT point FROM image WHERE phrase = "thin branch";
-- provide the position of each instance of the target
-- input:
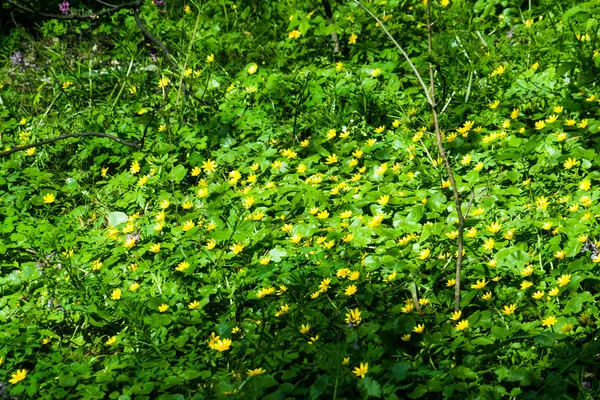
(150, 36)
(438, 134)
(135, 145)
(430, 95)
(134, 4)
(410, 63)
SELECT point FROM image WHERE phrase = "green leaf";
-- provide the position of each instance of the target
(370, 386)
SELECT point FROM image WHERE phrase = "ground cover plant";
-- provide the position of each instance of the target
(258, 199)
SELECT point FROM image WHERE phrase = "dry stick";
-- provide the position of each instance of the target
(430, 96)
(71, 135)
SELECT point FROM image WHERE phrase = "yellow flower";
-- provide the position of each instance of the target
(350, 290)
(187, 9)
(237, 248)
(551, 320)
(348, 238)
(187, 225)
(552, 118)
(538, 294)
(570, 122)
(264, 261)
(163, 307)
(494, 227)
(499, 70)
(133, 90)
(111, 341)
(560, 255)
(164, 82)
(49, 198)
(466, 159)
(346, 361)
(354, 275)
(383, 200)
(554, 291)
(456, 315)
(509, 234)
(488, 244)
(332, 159)
(452, 235)
(194, 304)
(570, 163)
(353, 317)
(252, 69)
(509, 309)
(361, 370)
(295, 34)
(304, 328)
(378, 130)
(528, 270)
(408, 307)
(542, 202)
(338, 66)
(451, 282)
(256, 372)
(182, 266)
(539, 125)
(221, 345)
(353, 38)
(376, 72)
(116, 294)
(419, 328)
(526, 285)
(134, 286)
(209, 166)
(210, 58)
(66, 84)
(462, 325)
(18, 376)
(424, 254)
(515, 113)
(494, 104)
(296, 238)
(96, 265)
(480, 284)
(585, 185)
(564, 280)
(135, 167)
(487, 296)
(155, 248)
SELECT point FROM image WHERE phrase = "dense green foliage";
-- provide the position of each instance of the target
(288, 229)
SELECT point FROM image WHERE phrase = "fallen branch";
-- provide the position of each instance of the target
(135, 145)
(430, 96)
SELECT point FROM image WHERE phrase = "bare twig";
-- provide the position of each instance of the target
(134, 4)
(430, 95)
(135, 145)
